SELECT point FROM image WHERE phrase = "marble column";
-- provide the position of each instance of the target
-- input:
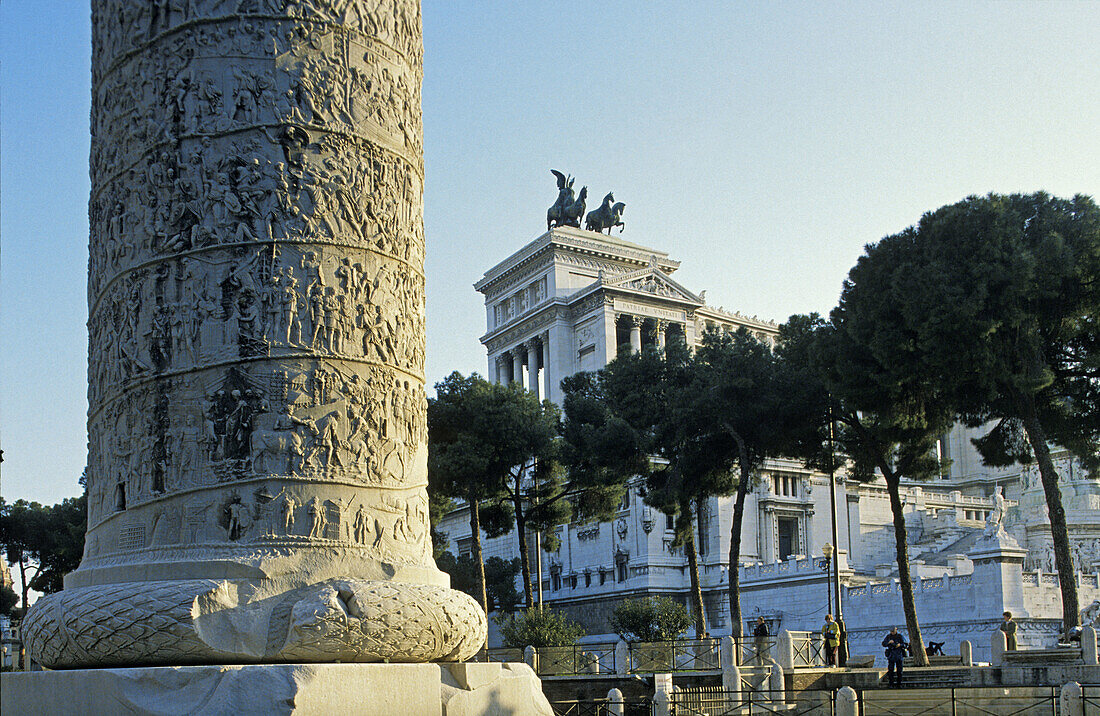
(610, 334)
(533, 347)
(544, 354)
(661, 327)
(257, 463)
(517, 365)
(635, 334)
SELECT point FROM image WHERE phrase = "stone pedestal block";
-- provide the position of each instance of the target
(1088, 646)
(785, 650)
(274, 689)
(480, 691)
(731, 682)
(998, 645)
(729, 652)
(847, 702)
(622, 657)
(966, 653)
(1070, 702)
(615, 705)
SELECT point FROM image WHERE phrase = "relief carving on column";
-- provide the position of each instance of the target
(256, 343)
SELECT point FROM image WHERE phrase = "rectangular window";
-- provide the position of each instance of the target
(670, 522)
(622, 570)
(785, 486)
(588, 579)
(788, 536)
(624, 503)
(555, 581)
(465, 546)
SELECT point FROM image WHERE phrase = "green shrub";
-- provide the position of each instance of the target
(650, 619)
(537, 628)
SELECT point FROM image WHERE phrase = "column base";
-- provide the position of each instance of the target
(263, 689)
(203, 621)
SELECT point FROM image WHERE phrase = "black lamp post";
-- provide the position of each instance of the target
(826, 564)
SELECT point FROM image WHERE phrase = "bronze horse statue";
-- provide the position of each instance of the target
(556, 213)
(607, 216)
(567, 210)
(574, 212)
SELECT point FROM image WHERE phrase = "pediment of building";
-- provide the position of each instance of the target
(651, 280)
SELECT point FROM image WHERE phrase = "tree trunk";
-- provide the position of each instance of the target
(1057, 514)
(916, 642)
(524, 558)
(696, 588)
(736, 621)
(479, 562)
(25, 586)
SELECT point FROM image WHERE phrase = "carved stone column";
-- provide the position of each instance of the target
(257, 434)
(660, 327)
(533, 346)
(635, 334)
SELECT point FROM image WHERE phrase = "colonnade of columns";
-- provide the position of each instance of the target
(534, 354)
(528, 361)
(658, 332)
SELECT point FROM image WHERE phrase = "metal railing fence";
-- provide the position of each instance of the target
(809, 648)
(1090, 698)
(756, 651)
(576, 659)
(714, 701)
(601, 707)
(502, 655)
(593, 707)
(679, 655)
(970, 701)
(754, 678)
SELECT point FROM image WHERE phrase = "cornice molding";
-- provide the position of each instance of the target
(578, 241)
(528, 326)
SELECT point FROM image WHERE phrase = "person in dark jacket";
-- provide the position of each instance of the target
(896, 648)
(760, 635)
(1008, 626)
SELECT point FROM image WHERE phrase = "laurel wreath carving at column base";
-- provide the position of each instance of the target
(207, 621)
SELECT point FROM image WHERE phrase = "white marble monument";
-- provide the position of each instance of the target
(257, 437)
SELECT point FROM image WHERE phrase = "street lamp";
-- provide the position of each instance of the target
(827, 553)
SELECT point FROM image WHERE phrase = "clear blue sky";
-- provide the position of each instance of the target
(762, 144)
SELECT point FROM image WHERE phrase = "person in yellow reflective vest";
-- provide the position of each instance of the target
(831, 631)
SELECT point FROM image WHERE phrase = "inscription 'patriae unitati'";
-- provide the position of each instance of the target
(257, 436)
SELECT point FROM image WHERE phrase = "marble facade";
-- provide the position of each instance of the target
(571, 299)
